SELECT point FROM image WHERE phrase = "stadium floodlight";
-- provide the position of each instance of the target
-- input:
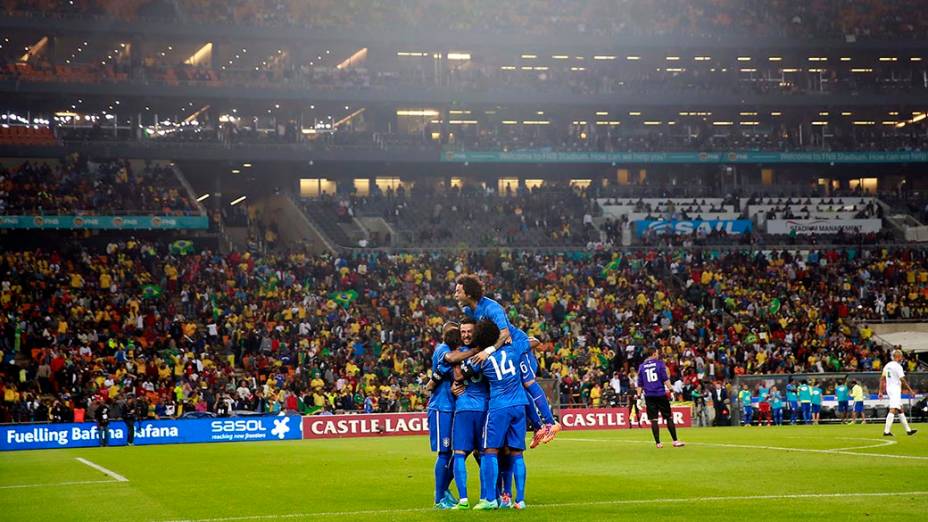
(237, 201)
(203, 197)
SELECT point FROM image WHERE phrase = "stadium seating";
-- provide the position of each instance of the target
(658, 208)
(75, 186)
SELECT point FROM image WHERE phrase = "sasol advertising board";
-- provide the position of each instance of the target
(238, 429)
(686, 227)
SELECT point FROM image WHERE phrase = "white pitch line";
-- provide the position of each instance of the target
(837, 451)
(798, 496)
(879, 443)
(117, 476)
(51, 485)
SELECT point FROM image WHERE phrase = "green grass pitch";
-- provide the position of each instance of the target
(759, 474)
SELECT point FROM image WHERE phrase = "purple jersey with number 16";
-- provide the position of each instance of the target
(651, 376)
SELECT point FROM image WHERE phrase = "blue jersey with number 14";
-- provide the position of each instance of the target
(501, 371)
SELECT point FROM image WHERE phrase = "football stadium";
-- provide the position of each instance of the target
(393, 259)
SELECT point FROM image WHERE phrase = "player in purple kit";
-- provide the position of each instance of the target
(653, 380)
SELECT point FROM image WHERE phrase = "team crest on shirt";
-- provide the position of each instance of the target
(446, 442)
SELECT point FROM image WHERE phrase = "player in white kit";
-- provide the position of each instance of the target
(891, 382)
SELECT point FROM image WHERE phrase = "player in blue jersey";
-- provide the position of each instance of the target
(805, 401)
(654, 382)
(472, 395)
(505, 423)
(441, 410)
(842, 394)
(747, 407)
(817, 394)
(468, 292)
(776, 403)
(792, 399)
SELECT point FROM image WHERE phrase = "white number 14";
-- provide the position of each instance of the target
(504, 367)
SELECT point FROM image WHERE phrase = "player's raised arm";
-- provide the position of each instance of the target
(458, 356)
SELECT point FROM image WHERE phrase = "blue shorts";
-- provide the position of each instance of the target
(505, 427)
(816, 408)
(440, 430)
(467, 430)
(859, 406)
(528, 367)
(794, 406)
(748, 411)
(842, 407)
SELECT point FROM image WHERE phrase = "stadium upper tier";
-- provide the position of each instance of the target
(186, 331)
(596, 19)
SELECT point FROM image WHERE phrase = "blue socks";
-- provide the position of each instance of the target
(541, 402)
(442, 475)
(489, 471)
(518, 468)
(505, 474)
(460, 474)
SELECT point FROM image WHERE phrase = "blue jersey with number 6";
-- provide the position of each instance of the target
(502, 373)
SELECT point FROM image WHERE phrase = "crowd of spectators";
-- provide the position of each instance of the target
(76, 186)
(209, 332)
(707, 19)
(476, 216)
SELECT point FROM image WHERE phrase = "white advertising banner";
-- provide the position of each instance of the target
(823, 226)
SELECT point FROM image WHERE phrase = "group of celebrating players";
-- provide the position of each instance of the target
(485, 399)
